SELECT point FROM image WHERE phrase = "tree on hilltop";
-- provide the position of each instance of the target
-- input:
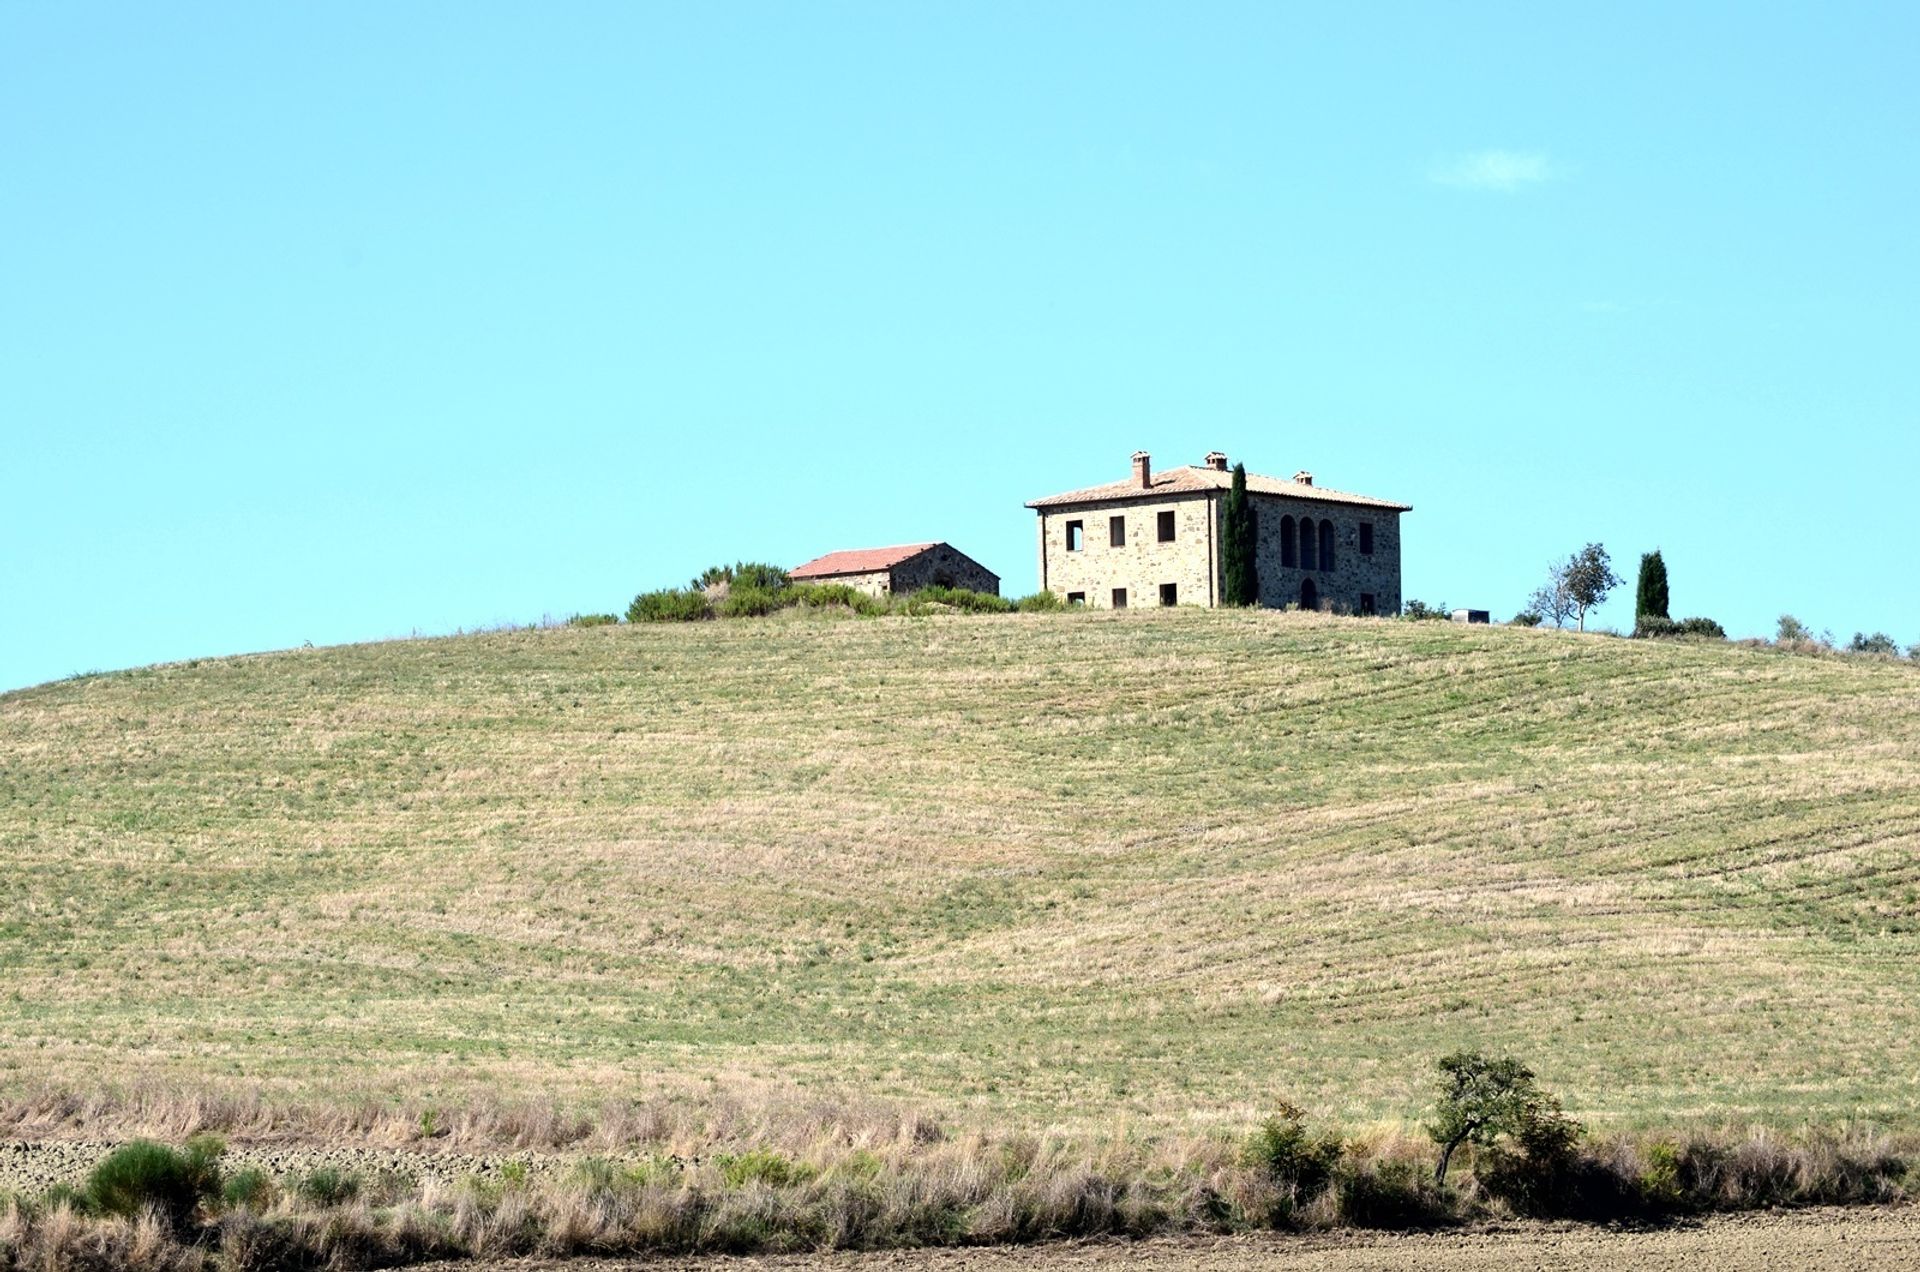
(1576, 587)
(1241, 578)
(1650, 597)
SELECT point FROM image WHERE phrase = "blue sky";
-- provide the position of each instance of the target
(335, 322)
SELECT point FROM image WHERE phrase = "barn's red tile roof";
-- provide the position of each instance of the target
(858, 560)
(1190, 479)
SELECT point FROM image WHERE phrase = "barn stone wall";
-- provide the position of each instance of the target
(944, 566)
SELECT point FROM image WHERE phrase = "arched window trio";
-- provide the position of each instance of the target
(1305, 544)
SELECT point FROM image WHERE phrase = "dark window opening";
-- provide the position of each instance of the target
(1309, 595)
(1366, 538)
(1289, 549)
(1119, 598)
(1117, 531)
(1326, 545)
(1166, 526)
(1366, 603)
(1308, 555)
(1076, 536)
(1169, 592)
(1076, 598)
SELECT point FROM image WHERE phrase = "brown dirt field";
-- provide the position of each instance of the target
(1819, 1240)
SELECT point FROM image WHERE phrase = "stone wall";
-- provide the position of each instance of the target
(1144, 563)
(944, 566)
(1354, 575)
(873, 582)
(1191, 561)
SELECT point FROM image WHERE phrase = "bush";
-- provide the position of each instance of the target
(144, 1174)
(1526, 618)
(669, 605)
(592, 620)
(1651, 626)
(1040, 603)
(1702, 627)
(328, 1187)
(744, 601)
(761, 1165)
(831, 595)
(1299, 1164)
(1420, 612)
(1792, 631)
(1878, 643)
(758, 574)
(961, 598)
(250, 1189)
(1390, 1194)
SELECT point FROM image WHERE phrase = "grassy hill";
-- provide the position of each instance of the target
(1040, 868)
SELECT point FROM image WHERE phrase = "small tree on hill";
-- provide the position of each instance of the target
(1576, 587)
(1552, 601)
(1240, 573)
(1482, 1099)
(1650, 597)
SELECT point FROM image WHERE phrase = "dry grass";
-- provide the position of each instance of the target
(1031, 871)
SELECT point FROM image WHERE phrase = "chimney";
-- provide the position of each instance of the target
(1304, 477)
(1217, 461)
(1143, 469)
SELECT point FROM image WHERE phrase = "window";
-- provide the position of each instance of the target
(1366, 603)
(1117, 531)
(1308, 556)
(1076, 535)
(1166, 526)
(1119, 598)
(1169, 592)
(1076, 598)
(1289, 549)
(1366, 539)
(1326, 545)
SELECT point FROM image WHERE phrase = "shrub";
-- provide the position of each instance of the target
(1299, 1164)
(669, 605)
(1419, 611)
(961, 598)
(1878, 643)
(144, 1174)
(828, 595)
(1389, 1194)
(251, 1188)
(1541, 1173)
(1702, 627)
(1650, 626)
(1526, 618)
(1040, 603)
(328, 1186)
(1792, 631)
(592, 620)
(770, 578)
(761, 1165)
(745, 601)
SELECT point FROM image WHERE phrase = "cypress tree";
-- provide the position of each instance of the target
(1651, 598)
(1240, 580)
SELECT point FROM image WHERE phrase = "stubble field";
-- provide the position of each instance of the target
(1160, 870)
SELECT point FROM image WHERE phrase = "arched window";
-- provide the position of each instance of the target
(1309, 595)
(1289, 550)
(1307, 555)
(1326, 545)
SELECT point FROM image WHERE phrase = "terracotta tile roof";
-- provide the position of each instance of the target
(858, 560)
(1184, 480)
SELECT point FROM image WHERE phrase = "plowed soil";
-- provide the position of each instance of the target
(1823, 1240)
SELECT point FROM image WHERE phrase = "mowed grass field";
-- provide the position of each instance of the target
(1164, 868)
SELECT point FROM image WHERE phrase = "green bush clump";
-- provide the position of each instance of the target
(1652, 626)
(764, 1166)
(1419, 611)
(669, 605)
(758, 574)
(1296, 1161)
(1702, 627)
(592, 620)
(143, 1175)
(328, 1186)
(1040, 603)
(961, 598)
(835, 595)
(1526, 618)
(1877, 643)
(743, 601)
(251, 1188)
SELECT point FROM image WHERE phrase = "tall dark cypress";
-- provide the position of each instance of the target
(1240, 579)
(1650, 599)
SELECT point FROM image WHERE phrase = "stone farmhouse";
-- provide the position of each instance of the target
(907, 568)
(1154, 539)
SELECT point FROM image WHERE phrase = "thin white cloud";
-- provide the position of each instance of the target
(1502, 171)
